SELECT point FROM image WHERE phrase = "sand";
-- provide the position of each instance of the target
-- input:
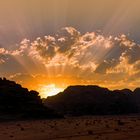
(76, 128)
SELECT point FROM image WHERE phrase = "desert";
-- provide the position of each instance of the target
(74, 128)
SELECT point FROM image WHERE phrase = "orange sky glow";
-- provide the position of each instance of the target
(47, 45)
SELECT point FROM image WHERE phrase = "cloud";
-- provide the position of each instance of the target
(86, 55)
(22, 50)
(69, 47)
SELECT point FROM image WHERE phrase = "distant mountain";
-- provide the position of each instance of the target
(17, 102)
(95, 100)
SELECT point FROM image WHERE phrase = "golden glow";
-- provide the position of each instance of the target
(98, 53)
(49, 90)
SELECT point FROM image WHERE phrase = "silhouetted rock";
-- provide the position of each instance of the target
(94, 100)
(136, 97)
(19, 103)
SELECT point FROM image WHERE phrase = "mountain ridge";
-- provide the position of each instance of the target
(95, 100)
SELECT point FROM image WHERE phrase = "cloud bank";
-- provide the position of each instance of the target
(90, 57)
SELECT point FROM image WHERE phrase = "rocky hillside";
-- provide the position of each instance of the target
(17, 102)
(95, 100)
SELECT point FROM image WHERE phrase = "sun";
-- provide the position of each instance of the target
(49, 90)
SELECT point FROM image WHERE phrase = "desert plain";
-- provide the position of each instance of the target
(73, 128)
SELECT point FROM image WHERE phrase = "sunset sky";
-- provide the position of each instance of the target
(48, 45)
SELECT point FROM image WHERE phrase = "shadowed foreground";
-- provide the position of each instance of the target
(80, 128)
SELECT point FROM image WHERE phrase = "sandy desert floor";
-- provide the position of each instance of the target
(78, 128)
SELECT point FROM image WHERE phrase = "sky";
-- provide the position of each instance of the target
(48, 45)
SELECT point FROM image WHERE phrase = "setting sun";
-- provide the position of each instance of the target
(49, 90)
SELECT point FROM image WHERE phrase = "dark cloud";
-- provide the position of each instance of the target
(66, 37)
